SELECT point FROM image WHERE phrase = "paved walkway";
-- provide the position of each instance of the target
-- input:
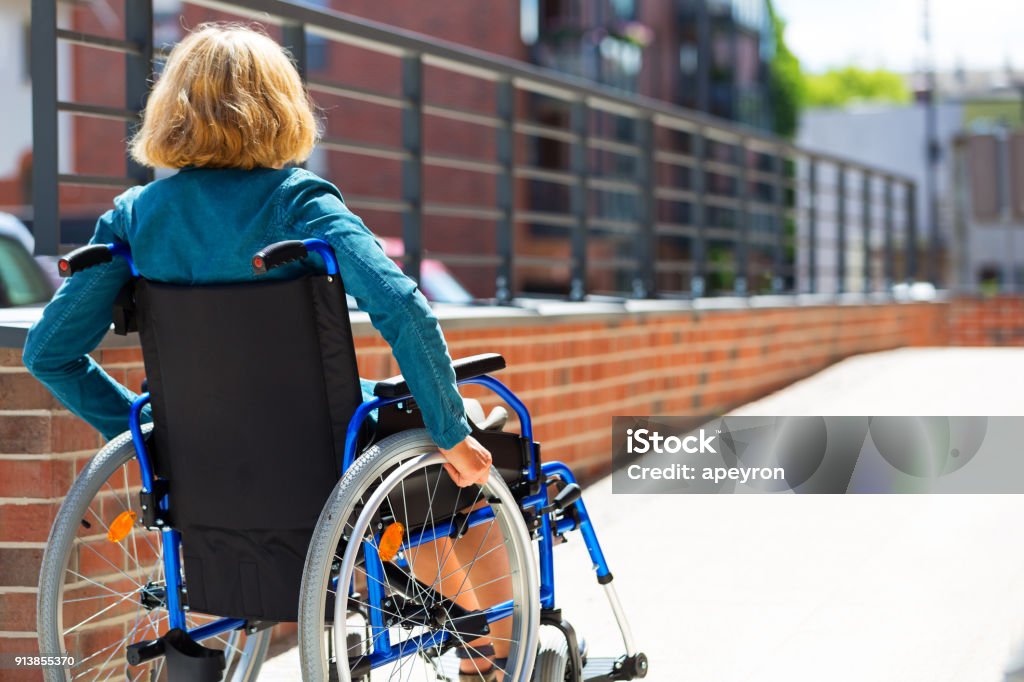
(858, 588)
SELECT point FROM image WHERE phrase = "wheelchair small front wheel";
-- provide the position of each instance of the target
(434, 578)
(101, 583)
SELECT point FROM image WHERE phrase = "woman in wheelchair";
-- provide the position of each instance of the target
(184, 539)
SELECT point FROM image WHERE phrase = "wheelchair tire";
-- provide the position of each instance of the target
(370, 489)
(553, 657)
(101, 492)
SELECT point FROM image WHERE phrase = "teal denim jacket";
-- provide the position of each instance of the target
(202, 226)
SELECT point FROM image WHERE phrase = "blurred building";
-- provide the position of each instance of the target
(980, 182)
(709, 55)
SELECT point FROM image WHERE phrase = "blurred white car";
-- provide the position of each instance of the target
(24, 280)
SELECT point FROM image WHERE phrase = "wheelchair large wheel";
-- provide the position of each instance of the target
(414, 605)
(101, 581)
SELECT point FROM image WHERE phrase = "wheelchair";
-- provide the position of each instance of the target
(266, 490)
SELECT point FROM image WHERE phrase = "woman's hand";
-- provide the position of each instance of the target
(468, 462)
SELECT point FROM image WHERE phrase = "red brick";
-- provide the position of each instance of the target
(71, 434)
(24, 433)
(35, 478)
(26, 522)
(21, 391)
(19, 566)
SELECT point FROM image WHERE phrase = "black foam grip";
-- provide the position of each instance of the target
(82, 258)
(278, 254)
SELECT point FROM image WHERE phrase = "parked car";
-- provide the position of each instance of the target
(23, 279)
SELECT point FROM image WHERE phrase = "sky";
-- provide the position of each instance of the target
(977, 34)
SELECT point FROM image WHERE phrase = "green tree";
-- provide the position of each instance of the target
(786, 81)
(850, 84)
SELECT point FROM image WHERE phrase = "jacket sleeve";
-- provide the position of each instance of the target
(394, 303)
(72, 325)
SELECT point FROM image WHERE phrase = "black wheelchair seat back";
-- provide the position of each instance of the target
(252, 388)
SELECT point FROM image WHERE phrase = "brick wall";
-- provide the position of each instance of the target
(997, 321)
(574, 373)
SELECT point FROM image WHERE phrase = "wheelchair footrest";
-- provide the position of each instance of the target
(621, 668)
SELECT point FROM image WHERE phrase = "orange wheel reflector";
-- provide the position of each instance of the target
(391, 541)
(121, 526)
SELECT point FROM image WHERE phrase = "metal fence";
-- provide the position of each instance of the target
(518, 180)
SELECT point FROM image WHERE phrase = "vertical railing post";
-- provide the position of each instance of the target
(293, 37)
(911, 219)
(890, 265)
(779, 246)
(742, 221)
(412, 164)
(645, 251)
(841, 228)
(866, 225)
(138, 68)
(698, 280)
(45, 154)
(812, 225)
(504, 284)
(580, 124)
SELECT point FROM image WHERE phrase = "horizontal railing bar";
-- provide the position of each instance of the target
(99, 42)
(619, 262)
(98, 111)
(613, 146)
(355, 92)
(613, 225)
(677, 266)
(674, 194)
(454, 114)
(461, 163)
(675, 229)
(546, 218)
(461, 211)
(387, 39)
(380, 151)
(524, 259)
(676, 123)
(722, 168)
(463, 258)
(532, 173)
(613, 185)
(549, 132)
(722, 201)
(96, 180)
(675, 158)
(601, 101)
(376, 203)
(458, 66)
(561, 91)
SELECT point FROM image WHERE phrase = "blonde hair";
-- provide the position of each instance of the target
(229, 97)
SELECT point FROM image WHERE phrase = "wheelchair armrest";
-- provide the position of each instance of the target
(465, 368)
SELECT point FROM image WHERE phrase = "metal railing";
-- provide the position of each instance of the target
(556, 184)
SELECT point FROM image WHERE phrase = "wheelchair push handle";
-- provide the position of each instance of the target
(91, 255)
(280, 253)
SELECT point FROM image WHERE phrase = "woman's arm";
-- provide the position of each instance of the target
(71, 326)
(396, 307)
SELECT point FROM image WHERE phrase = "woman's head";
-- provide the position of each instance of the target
(229, 97)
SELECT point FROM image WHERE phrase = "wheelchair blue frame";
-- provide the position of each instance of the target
(383, 651)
